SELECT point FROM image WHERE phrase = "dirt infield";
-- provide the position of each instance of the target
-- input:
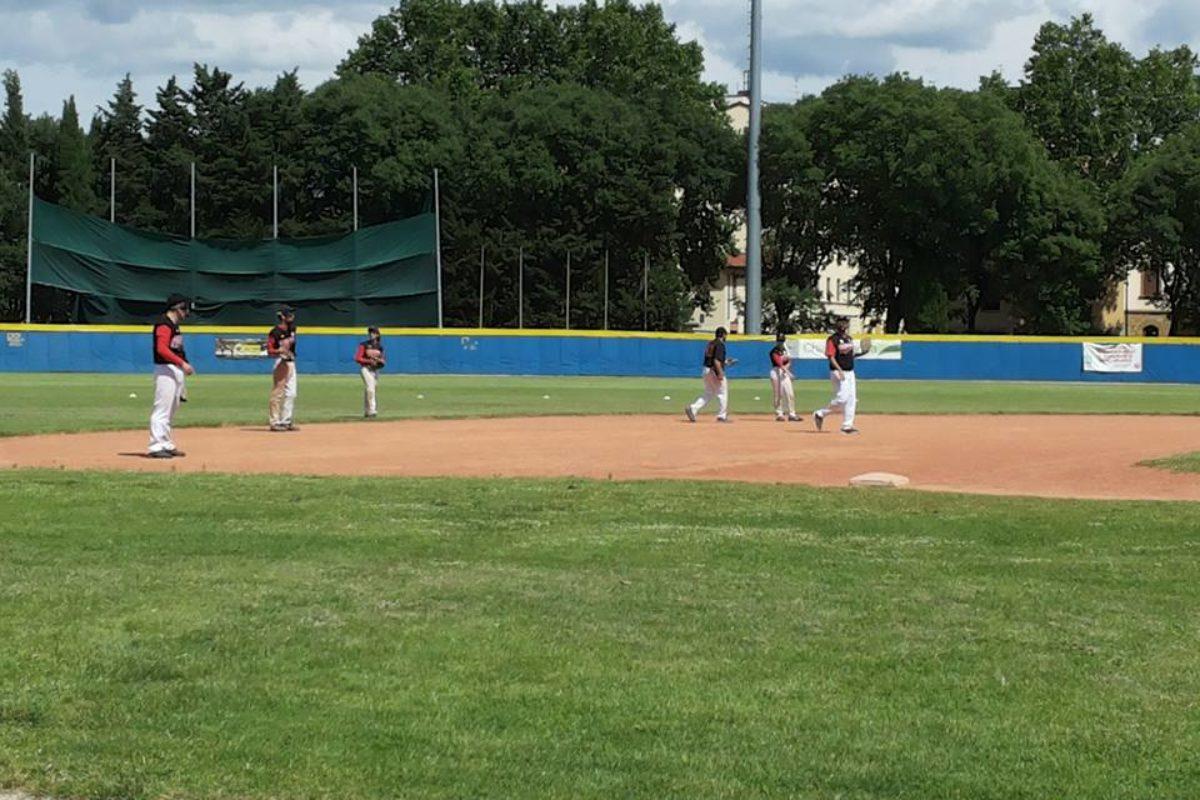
(1049, 456)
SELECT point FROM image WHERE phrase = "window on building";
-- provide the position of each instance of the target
(839, 292)
(1151, 286)
(828, 290)
(1150, 330)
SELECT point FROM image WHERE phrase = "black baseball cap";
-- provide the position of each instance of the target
(781, 337)
(372, 329)
(177, 300)
(282, 310)
(721, 332)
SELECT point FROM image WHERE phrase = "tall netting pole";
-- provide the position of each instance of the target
(193, 200)
(754, 200)
(437, 223)
(646, 293)
(521, 288)
(354, 181)
(606, 288)
(482, 264)
(29, 251)
(274, 201)
(568, 315)
(112, 190)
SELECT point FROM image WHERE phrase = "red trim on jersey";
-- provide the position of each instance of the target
(361, 356)
(162, 345)
(830, 348)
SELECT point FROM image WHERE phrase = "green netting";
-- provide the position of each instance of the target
(382, 275)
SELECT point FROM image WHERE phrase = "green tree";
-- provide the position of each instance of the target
(1095, 106)
(233, 178)
(72, 164)
(1077, 96)
(14, 160)
(279, 135)
(171, 149)
(797, 239)
(496, 68)
(789, 308)
(119, 135)
(1155, 220)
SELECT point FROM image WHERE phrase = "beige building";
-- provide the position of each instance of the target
(1136, 307)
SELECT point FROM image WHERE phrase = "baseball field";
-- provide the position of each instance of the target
(363, 609)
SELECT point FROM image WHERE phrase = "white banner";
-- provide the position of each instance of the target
(1112, 357)
(814, 349)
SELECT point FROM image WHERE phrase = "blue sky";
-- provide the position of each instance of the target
(83, 47)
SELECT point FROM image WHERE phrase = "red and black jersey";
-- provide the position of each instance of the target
(277, 336)
(779, 356)
(361, 354)
(714, 353)
(840, 347)
(168, 342)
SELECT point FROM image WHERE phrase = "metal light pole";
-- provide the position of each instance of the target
(112, 190)
(754, 199)
(521, 288)
(274, 202)
(354, 180)
(568, 290)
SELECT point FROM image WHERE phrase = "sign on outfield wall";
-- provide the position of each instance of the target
(1112, 357)
(241, 348)
(814, 349)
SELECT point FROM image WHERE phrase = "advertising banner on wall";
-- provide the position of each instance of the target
(814, 349)
(1112, 358)
(241, 348)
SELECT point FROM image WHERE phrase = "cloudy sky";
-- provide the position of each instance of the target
(83, 47)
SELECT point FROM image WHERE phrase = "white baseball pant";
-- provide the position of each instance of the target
(168, 385)
(845, 398)
(283, 393)
(783, 391)
(370, 381)
(714, 387)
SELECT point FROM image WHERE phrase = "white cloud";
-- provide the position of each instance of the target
(83, 47)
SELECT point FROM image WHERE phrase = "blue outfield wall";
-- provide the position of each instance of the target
(119, 349)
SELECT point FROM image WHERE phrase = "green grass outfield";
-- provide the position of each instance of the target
(260, 637)
(1188, 462)
(44, 403)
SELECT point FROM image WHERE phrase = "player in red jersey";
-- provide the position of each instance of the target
(170, 368)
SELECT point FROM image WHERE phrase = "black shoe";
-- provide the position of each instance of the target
(849, 431)
(160, 454)
(818, 420)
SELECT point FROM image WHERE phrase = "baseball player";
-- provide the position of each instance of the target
(781, 381)
(281, 344)
(715, 383)
(369, 357)
(170, 367)
(839, 349)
